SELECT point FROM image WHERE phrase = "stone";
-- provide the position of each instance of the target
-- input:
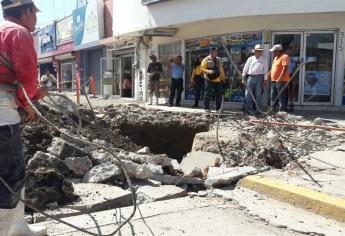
(78, 165)
(218, 177)
(101, 156)
(62, 149)
(319, 121)
(143, 151)
(198, 159)
(102, 143)
(161, 160)
(43, 160)
(143, 171)
(147, 194)
(99, 197)
(102, 173)
(175, 164)
(177, 180)
(196, 172)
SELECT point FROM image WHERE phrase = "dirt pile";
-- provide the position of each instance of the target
(247, 144)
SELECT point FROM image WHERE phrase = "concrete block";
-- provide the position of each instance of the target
(102, 173)
(79, 165)
(218, 177)
(99, 197)
(199, 160)
(177, 180)
(147, 194)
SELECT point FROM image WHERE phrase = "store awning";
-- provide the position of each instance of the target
(96, 44)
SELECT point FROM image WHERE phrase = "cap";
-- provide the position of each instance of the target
(277, 47)
(213, 49)
(7, 4)
(153, 56)
(258, 47)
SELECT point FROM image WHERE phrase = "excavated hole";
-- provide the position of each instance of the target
(171, 139)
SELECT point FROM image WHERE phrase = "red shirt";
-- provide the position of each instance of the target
(17, 48)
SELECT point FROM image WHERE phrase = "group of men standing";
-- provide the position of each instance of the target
(208, 75)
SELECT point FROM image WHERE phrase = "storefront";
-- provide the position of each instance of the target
(88, 30)
(118, 69)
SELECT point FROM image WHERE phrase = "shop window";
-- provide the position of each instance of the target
(167, 52)
(239, 45)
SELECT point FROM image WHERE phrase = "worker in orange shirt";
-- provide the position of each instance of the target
(279, 75)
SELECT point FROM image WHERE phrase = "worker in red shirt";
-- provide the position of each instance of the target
(18, 64)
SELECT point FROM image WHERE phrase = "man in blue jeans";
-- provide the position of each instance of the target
(177, 71)
(214, 75)
(255, 70)
(18, 63)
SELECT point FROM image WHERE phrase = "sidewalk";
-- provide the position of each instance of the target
(322, 191)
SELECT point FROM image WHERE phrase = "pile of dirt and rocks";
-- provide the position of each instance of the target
(248, 144)
(54, 165)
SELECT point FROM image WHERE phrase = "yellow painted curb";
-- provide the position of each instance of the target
(319, 203)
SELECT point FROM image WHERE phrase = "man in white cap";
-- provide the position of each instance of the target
(279, 75)
(18, 64)
(254, 71)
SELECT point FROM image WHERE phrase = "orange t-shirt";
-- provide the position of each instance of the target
(277, 67)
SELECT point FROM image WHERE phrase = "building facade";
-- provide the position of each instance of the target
(307, 29)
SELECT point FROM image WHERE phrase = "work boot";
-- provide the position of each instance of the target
(19, 227)
(6, 217)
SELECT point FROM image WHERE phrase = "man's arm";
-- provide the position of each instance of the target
(204, 69)
(286, 64)
(246, 67)
(222, 73)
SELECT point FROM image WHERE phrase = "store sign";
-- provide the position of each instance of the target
(88, 23)
(64, 30)
(47, 39)
(150, 2)
(232, 40)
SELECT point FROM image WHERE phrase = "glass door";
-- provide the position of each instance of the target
(68, 82)
(127, 77)
(111, 76)
(293, 44)
(319, 76)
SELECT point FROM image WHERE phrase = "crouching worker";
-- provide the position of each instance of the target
(18, 64)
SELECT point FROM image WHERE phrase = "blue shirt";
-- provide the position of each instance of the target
(177, 71)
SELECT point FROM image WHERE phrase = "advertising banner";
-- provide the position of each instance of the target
(47, 39)
(88, 23)
(318, 83)
(64, 31)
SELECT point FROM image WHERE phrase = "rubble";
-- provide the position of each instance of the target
(102, 173)
(62, 149)
(198, 159)
(219, 177)
(178, 180)
(147, 194)
(79, 165)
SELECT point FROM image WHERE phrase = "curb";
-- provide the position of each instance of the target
(319, 203)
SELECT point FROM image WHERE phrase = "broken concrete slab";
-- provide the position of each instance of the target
(198, 159)
(62, 149)
(99, 197)
(47, 161)
(78, 165)
(146, 194)
(102, 173)
(144, 151)
(218, 177)
(101, 156)
(143, 171)
(177, 180)
(161, 160)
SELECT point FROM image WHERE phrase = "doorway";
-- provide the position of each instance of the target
(314, 84)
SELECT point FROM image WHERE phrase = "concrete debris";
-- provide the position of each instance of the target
(143, 171)
(62, 149)
(144, 151)
(178, 180)
(319, 121)
(102, 173)
(219, 177)
(162, 160)
(147, 194)
(101, 156)
(46, 161)
(99, 197)
(79, 165)
(199, 160)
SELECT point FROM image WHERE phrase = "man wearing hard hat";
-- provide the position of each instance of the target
(18, 64)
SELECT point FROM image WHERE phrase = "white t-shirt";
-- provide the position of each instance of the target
(9, 117)
(8, 113)
(50, 80)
